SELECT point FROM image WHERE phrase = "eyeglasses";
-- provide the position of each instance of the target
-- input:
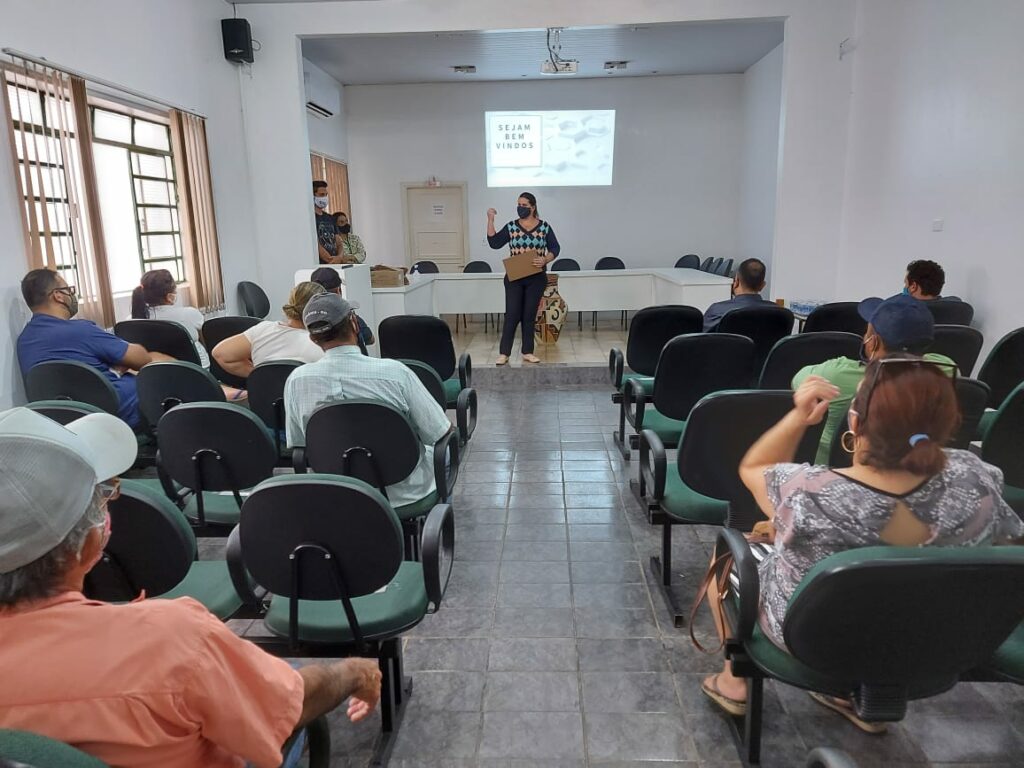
(890, 363)
(110, 490)
(70, 290)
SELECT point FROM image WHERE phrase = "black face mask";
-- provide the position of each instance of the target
(864, 357)
(523, 211)
(344, 228)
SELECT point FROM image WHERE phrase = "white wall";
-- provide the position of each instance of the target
(813, 136)
(169, 50)
(937, 132)
(327, 135)
(762, 94)
(676, 176)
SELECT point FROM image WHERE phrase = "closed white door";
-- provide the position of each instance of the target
(436, 225)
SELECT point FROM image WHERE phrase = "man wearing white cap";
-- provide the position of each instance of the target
(150, 683)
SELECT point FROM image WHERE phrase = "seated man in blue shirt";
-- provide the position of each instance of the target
(746, 291)
(51, 334)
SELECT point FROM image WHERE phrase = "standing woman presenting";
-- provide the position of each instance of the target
(522, 297)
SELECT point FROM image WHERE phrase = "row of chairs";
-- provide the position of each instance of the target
(719, 266)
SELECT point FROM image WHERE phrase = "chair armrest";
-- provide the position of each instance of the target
(465, 414)
(437, 543)
(634, 398)
(299, 460)
(176, 494)
(241, 580)
(446, 464)
(653, 464)
(615, 363)
(465, 371)
(742, 610)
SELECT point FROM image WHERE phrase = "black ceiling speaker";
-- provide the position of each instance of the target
(237, 39)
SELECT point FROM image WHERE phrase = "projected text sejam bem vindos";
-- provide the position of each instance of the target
(515, 137)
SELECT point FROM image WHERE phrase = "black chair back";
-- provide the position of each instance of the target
(253, 300)
(689, 261)
(721, 428)
(1003, 369)
(418, 337)
(950, 311)
(424, 267)
(215, 447)
(63, 411)
(715, 266)
(654, 327)
(763, 324)
(610, 262)
(215, 330)
(289, 520)
(565, 265)
(724, 268)
(972, 396)
(163, 386)
(1003, 445)
(430, 380)
(920, 625)
(67, 380)
(838, 316)
(791, 353)
(151, 547)
(706, 264)
(697, 364)
(961, 343)
(364, 439)
(164, 336)
(266, 394)
(477, 267)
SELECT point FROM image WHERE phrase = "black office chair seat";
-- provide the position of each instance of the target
(960, 343)
(763, 324)
(69, 380)
(165, 336)
(920, 624)
(218, 451)
(652, 328)
(791, 353)
(253, 300)
(427, 339)
(165, 385)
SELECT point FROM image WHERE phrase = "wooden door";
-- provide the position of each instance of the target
(436, 226)
(336, 176)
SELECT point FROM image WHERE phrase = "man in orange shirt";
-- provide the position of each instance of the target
(150, 683)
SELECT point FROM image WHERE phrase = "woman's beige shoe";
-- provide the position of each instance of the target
(502, 360)
(531, 359)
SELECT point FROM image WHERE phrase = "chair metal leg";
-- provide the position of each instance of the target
(620, 434)
(661, 568)
(394, 694)
(748, 741)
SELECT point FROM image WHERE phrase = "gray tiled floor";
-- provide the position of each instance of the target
(552, 650)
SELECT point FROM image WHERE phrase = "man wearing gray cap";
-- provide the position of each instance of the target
(344, 373)
(150, 683)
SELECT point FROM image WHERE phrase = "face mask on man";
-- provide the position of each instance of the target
(344, 228)
(905, 291)
(523, 211)
(320, 202)
(71, 305)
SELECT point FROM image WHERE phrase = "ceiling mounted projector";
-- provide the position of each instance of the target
(559, 67)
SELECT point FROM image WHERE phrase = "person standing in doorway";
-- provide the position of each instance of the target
(527, 232)
(326, 226)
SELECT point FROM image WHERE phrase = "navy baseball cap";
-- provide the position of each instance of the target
(903, 322)
(327, 277)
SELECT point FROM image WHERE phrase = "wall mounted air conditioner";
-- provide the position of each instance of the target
(323, 97)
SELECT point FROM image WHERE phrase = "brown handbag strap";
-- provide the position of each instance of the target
(718, 572)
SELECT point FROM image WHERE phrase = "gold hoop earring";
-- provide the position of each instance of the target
(848, 441)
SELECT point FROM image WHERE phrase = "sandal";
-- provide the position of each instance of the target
(734, 707)
(845, 708)
(531, 359)
(502, 360)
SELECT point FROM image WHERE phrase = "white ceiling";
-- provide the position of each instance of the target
(654, 49)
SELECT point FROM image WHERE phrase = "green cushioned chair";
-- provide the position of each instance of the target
(884, 625)
(1002, 370)
(152, 547)
(427, 339)
(36, 751)
(331, 551)
(217, 451)
(1004, 446)
(703, 487)
(652, 328)
(376, 443)
(689, 367)
(465, 399)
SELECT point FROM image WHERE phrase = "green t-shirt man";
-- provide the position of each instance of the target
(900, 323)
